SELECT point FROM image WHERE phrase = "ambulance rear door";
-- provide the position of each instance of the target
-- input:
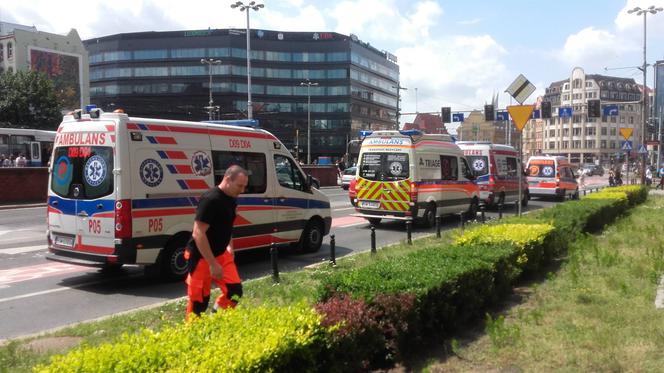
(83, 190)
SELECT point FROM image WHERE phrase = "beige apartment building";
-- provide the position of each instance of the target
(583, 139)
(475, 128)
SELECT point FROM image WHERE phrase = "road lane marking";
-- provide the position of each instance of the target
(21, 250)
(346, 221)
(20, 274)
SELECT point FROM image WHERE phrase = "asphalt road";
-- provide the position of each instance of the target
(38, 295)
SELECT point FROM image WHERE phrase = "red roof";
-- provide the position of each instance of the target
(427, 123)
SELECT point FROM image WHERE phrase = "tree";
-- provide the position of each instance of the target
(28, 100)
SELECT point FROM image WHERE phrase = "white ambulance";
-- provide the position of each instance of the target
(124, 190)
(408, 175)
(496, 168)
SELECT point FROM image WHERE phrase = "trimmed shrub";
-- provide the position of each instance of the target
(245, 339)
(531, 241)
(635, 193)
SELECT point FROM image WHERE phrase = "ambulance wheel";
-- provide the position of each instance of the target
(374, 221)
(429, 217)
(312, 237)
(524, 198)
(172, 262)
(471, 214)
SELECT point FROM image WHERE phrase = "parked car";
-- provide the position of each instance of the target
(592, 169)
(347, 176)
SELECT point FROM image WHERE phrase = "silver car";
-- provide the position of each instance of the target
(347, 176)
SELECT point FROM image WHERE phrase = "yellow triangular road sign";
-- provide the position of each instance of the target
(626, 132)
(520, 114)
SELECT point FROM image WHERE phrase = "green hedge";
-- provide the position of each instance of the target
(369, 316)
(247, 339)
(532, 242)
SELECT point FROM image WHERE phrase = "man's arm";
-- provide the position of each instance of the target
(203, 245)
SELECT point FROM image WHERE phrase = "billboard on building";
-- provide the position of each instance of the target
(64, 70)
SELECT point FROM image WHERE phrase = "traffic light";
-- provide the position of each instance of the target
(546, 110)
(447, 114)
(594, 110)
(488, 113)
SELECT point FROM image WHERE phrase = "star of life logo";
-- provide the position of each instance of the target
(151, 172)
(95, 170)
(200, 163)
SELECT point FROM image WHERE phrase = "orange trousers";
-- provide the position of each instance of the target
(199, 284)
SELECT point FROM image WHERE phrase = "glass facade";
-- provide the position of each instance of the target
(356, 83)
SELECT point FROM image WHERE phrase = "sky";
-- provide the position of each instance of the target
(450, 53)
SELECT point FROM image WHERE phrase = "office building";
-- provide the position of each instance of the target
(160, 74)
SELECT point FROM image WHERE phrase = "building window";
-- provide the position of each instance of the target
(612, 131)
(565, 131)
(10, 51)
(576, 131)
(552, 145)
(552, 133)
(603, 133)
(590, 144)
(612, 144)
(603, 144)
(631, 120)
(2, 52)
(591, 131)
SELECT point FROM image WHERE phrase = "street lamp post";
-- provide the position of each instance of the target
(243, 7)
(210, 62)
(399, 88)
(638, 11)
(308, 84)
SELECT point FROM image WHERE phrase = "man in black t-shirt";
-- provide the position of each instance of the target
(210, 249)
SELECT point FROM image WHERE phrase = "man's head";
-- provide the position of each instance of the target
(235, 181)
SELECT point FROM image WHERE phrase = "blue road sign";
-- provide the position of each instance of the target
(565, 112)
(502, 115)
(535, 114)
(626, 145)
(610, 110)
(457, 117)
(642, 149)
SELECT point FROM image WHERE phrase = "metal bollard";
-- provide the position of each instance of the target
(373, 239)
(482, 208)
(500, 211)
(462, 221)
(516, 208)
(274, 258)
(333, 254)
(438, 226)
(584, 192)
(409, 231)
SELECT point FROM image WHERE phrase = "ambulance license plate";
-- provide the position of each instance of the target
(65, 241)
(370, 204)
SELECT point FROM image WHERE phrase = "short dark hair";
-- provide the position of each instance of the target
(233, 171)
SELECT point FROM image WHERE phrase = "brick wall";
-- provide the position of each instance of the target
(23, 184)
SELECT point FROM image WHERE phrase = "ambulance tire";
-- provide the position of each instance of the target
(374, 221)
(471, 214)
(429, 217)
(312, 237)
(173, 265)
(524, 198)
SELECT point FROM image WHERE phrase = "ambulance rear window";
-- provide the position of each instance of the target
(384, 166)
(478, 164)
(82, 172)
(542, 168)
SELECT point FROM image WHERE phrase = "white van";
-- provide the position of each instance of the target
(496, 168)
(408, 175)
(124, 190)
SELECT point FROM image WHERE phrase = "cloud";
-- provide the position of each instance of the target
(473, 21)
(593, 49)
(460, 71)
(383, 21)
